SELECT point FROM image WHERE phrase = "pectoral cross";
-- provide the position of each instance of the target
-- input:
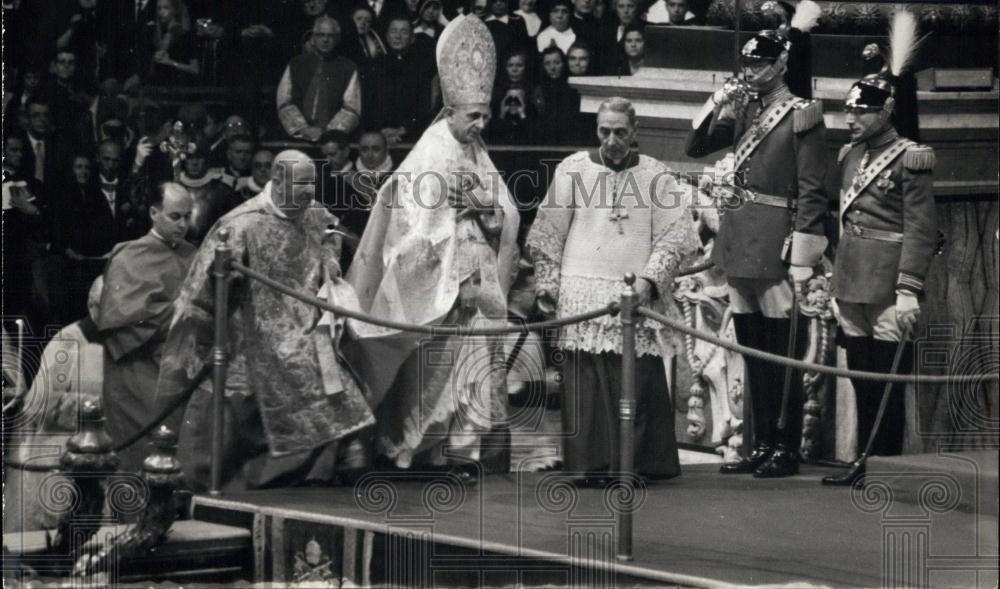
(618, 212)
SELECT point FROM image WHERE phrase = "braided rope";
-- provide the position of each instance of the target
(610, 309)
(809, 366)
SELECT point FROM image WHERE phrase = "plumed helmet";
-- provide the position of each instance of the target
(870, 92)
(765, 46)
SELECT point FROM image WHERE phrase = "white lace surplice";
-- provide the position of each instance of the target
(595, 226)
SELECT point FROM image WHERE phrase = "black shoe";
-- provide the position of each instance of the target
(591, 482)
(465, 474)
(783, 463)
(748, 464)
(847, 479)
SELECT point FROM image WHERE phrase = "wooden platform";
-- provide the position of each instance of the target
(701, 530)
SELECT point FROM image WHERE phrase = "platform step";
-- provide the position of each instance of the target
(967, 480)
(195, 551)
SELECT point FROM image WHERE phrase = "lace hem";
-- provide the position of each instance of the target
(581, 294)
(466, 407)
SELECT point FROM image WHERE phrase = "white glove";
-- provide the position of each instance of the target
(799, 276)
(142, 150)
(907, 310)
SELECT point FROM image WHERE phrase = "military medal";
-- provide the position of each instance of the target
(885, 181)
(859, 180)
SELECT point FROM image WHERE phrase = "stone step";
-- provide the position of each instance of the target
(965, 481)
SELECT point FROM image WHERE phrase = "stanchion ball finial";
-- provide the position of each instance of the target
(629, 278)
(224, 235)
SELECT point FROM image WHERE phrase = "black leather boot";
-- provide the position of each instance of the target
(750, 331)
(748, 464)
(855, 472)
(782, 463)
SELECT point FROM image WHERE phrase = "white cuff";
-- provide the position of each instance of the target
(807, 249)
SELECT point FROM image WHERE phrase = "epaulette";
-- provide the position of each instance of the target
(807, 114)
(846, 149)
(919, 158)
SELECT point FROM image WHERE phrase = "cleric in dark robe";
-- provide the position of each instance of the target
(289, 397)
(141, 282)
(320, 89)
(610, 211)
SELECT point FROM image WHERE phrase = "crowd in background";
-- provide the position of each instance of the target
(88, 133)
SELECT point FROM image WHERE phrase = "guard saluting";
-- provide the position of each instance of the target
(889, 235)
(779, 162)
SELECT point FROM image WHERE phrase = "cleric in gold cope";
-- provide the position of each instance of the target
(889, 234)
(779, 156)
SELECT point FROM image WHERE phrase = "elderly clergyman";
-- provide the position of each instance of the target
(290, 399)
(320, 89)
(609, 211)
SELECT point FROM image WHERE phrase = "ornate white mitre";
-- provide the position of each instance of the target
(467, 62)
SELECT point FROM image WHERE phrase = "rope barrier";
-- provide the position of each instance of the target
(809, 366)
(174, 405)
(610, 309)
(180, 400)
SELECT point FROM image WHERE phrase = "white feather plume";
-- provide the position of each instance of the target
(903, 41)
(807, 14)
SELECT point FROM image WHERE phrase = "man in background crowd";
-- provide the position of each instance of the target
(260, 173)
(320, 90)
(239, 153)
(670, 12)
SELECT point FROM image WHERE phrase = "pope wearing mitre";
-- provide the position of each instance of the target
(439, 249)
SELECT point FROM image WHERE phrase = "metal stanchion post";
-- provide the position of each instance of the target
(626, 419)
(220, 355)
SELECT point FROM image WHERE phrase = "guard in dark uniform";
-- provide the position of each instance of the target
(778, 188)
(889, 234)
(795, 21)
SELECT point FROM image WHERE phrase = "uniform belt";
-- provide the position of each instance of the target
(772, 201)
(876, 234)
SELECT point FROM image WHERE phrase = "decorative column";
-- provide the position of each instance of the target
(87, 462)
(161, 474)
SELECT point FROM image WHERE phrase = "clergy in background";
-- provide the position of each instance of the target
(610, 211)
(320, 89)
(290, 398)
(141, 281)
